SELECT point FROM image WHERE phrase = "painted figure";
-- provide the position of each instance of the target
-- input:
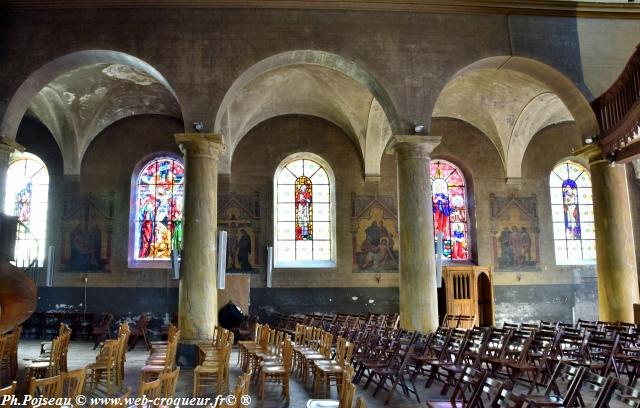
(571, 212)
(303, 196)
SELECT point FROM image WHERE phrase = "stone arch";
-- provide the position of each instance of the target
(45, 95)
(511, 99)
(310, 82)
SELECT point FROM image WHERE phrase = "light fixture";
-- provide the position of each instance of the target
(588, 140)
(198, 126)
(418, 128)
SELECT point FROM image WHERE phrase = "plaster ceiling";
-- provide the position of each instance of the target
(507, 106)
(77, 105)
(311, 90)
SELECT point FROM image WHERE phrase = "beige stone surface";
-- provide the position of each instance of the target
(418, 294)
(198, 299)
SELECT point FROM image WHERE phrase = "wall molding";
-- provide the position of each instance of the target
(562, 8)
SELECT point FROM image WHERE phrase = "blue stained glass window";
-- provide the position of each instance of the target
(572, 214)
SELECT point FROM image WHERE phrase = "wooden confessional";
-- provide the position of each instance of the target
(468, 290)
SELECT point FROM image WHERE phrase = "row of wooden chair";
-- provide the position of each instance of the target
(213, 362)
(53, 356)
(108, 369)
(162, 357)
(9, 355)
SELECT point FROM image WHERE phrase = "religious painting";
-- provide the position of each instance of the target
(375, 234)
(449, 197)
(515, 233)
(159, 203)
(239, 216)
(87, 226)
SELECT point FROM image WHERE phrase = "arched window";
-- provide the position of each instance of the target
(157, 202)
(449, 195)
(572, 214)
(27, 197)
(304, 207)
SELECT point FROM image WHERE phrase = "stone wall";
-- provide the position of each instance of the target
(202, 52)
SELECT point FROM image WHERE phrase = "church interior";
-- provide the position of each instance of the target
(305, 203)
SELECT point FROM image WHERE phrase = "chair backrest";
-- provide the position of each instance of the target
(49, 387)
(468, 386)
(624, 394)
(346, 400)
(360, 403)
(73, 382)
(8, 390)
(119, 402)
(573, 377)
(152, 389)
(169, 381)
(603, 387)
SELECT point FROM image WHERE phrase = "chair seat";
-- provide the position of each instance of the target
(276, 369)
(153, 368)
(38, 365)
(445, 404)
(331, 369)
(545, 400)
(207, 369)
(323, 403)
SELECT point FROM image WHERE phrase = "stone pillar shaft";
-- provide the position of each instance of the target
(198, 300)
(418, 290)
(615, 250)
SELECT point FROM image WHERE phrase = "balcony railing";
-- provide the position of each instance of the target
(618, 113)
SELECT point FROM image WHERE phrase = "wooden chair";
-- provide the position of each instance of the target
(553, 396)
(102, 331)
(9, 356)
(159, 363)
(118, 402)
(141, 329)
(150, 389)
(103, 371)
(345, 395)
(622, 394)
(595, 383)
(360, 403)
(466, 391)
(8, 390)
(49, 387)
(49, 366)
(169, 381)
(325, 371)
(214, 371)
(73, 382)
(395, 375)
(278, 372)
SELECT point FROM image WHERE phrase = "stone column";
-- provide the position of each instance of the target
(198, 301)
(418, 289)
(615, 250)
(7, 146)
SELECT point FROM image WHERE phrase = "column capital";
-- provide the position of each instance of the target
(10, 145)
(413, 145)
(206, 144)
(592, 153)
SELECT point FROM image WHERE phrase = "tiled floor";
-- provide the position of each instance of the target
(82, 353)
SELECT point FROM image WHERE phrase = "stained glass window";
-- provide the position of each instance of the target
(449, 196)
(27, 197)
(159, 199)
(303, 225)
(572, 214)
